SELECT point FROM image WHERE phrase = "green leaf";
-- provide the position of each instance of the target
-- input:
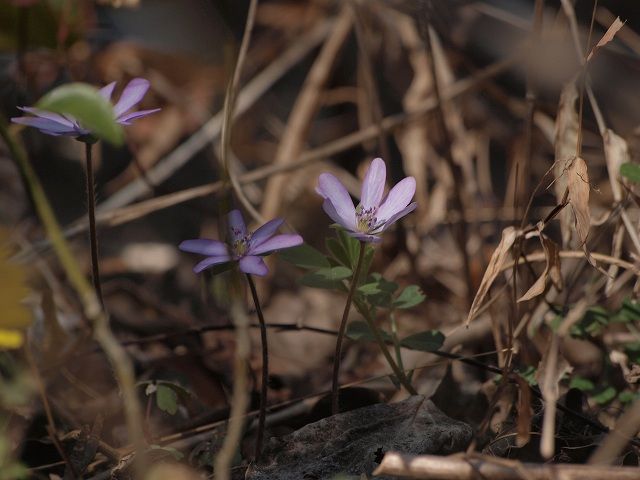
(330, 278)
(410, 297)
(581, 383)
(605, 396)
(378, 291)
(359, 330)
(305, 256)
(88, 107)
(630, 171)
(428, 341)
(167, 399)
(173, 452)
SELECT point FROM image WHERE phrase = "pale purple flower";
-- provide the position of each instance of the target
(246, 248)
(374, 214)
(57, 124)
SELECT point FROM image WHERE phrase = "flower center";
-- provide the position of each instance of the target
(240, 245)
(366, 220)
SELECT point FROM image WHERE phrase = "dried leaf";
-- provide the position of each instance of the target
(616, 152)
(578, 185)
(566, 140)
(607, 37)
(498, 258)
(551, 270)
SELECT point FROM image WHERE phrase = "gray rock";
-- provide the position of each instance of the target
(354, 442)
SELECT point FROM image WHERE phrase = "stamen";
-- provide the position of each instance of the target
(366, 220)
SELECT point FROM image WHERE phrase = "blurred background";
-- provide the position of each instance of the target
(326, 86)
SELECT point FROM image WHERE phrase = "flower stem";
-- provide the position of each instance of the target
(396, 340)
(265, 368)
(398, 372)
(335, 406)
(93, 236)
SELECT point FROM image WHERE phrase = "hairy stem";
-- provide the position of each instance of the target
(335, 406)
(93, 236)
(265, 368)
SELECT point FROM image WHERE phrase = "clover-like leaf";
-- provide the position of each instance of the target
(85, 104)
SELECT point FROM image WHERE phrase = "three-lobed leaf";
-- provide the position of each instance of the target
(84, 103)
(428, 341)
(329, 278)
(630, 171)
(305, 256)
(409, 297)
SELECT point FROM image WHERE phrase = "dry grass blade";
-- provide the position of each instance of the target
(607, 37)
(550, 370)
(578, 185)
(302, 113)
(498, 258)
(566, 139)
(626, 427)
(525, 412)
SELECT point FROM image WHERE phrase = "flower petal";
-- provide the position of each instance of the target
(373, 184)
(398, 198)
(394, 218)
(203, 246)
(47, 126)
(237, 227)
(330, 188)
(265, 232)
(126, 119)
(210, 262)
(131, 96)
(107, 91)
(277, 243)
(48, 115)
(253, 265)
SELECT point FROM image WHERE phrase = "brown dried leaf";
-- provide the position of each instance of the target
(578, 185)
(498, 258)
(607, 37)
(566, 140)
(616, 152)
(551, 270)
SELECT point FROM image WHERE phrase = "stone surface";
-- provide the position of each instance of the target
(354, 442)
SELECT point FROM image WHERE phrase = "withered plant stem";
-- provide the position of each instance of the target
(262, 414)
(91, 211)
(335, 387)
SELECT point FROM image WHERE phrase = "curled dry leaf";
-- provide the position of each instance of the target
(578, 185)
(566, 140)
(607, 37)
(551, 271)
(498, 258)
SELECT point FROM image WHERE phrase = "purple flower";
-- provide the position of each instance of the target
(57, 124)
(374, 214)
(246, 248)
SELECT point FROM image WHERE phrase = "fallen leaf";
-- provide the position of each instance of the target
(525, 412)
(498, 258)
